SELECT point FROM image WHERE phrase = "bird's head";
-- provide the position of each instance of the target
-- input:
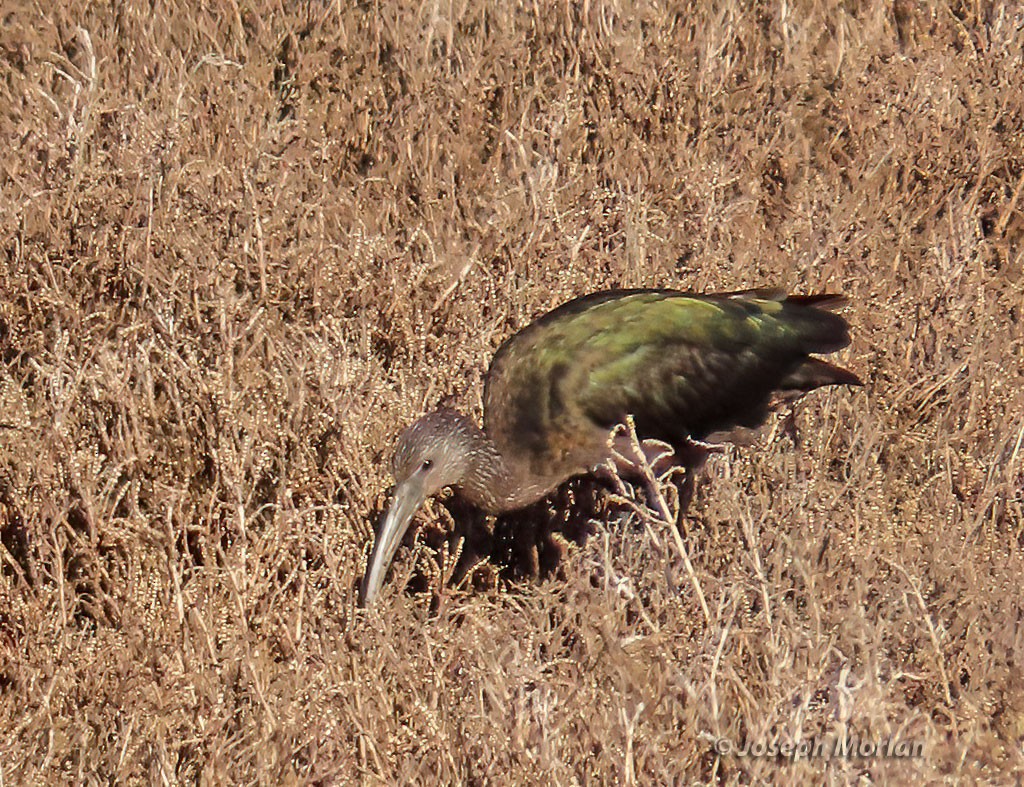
(433, 453)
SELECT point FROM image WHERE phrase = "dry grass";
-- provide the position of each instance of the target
(241, 249)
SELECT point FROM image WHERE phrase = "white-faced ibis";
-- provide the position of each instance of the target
(683, 365)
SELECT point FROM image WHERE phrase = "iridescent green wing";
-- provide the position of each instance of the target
(681, 364)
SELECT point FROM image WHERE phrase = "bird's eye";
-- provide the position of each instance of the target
(427, 464)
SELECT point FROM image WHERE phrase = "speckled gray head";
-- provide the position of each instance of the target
(431, 454)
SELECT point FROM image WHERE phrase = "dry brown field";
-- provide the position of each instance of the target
(242, 247)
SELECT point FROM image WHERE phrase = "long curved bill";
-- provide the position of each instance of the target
(408, 498)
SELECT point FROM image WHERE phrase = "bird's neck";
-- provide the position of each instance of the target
(491, 484)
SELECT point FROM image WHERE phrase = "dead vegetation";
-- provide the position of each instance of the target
(240, 248)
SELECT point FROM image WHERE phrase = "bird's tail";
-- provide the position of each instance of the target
(814, 373)
(819, 328)
(810, 319)
(821, 300)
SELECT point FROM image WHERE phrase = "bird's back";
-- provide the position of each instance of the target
(683, 365)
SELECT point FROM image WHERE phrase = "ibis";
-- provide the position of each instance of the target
(684, 366)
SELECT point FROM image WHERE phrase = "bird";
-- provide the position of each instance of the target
(683, 366)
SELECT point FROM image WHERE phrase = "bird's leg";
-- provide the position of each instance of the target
(693, 454)
(646, 461)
